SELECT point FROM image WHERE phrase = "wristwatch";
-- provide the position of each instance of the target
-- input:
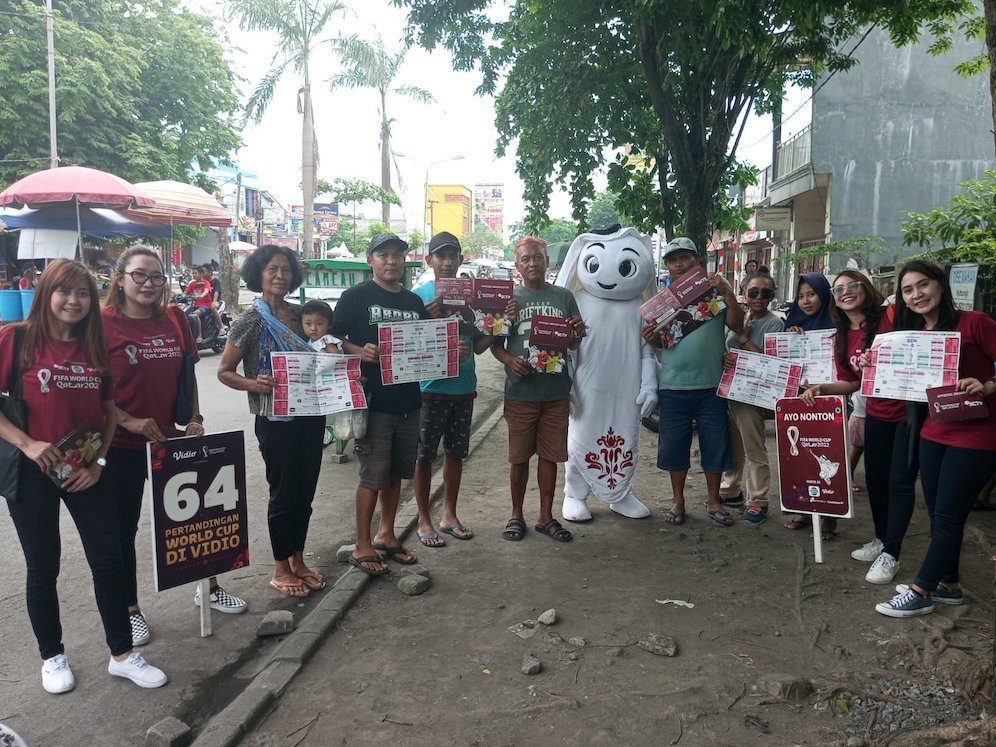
(100, 462)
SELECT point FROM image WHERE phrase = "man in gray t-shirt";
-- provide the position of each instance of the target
(536, 404)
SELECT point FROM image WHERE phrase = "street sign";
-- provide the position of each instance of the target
(773, 218)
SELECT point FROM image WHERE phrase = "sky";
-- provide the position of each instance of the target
(426, 137)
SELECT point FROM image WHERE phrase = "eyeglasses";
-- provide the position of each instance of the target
(141, 278)
(840, 290)
(766, 293)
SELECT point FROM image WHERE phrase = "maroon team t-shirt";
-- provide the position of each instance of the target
(146, 355)
(889, 410)
(61, 390)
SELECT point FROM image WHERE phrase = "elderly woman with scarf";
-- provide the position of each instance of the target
(810, 311)
(291, 447)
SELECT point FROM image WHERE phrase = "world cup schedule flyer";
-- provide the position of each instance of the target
(316, 384)
(419, 351)
(812, 350)
(759, 380)
(904, 365)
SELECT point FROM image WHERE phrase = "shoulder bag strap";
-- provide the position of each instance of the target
(171, 312)
(14, 382)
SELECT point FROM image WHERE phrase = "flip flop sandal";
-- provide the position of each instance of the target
(514, 530)
(312, 580)
(290, 590)
(431, 540)
(554, 531)
(392, 553)
(720, 518)
(674, 518)
(453, 530)
(797, 522)
(358, 563)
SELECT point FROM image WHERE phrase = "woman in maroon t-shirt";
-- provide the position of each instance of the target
(146, 340)
(65, 386)
(891, 476)
(956, 457)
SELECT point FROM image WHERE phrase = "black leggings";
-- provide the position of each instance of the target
(126, 471)
(36, 518)
(891, 480)
(292, 452)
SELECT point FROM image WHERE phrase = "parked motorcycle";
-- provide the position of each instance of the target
(212, 338)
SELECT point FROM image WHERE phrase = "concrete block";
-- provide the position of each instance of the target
(170, 732)
(277, 622)
(413, 585)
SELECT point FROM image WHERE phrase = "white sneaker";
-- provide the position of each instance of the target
(57, 677)
(869, 551)
(883, 570)
(138, 670)
(222, 601)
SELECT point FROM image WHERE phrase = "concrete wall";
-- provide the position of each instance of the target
(898, 133)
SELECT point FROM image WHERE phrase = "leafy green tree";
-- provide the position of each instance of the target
(963, 231)
(300, 26)
(416, 240)
(603, 212)
(353, 191)
(143, 89)
(368, 65)
(551, 231)
(482, 238)
(674, 79)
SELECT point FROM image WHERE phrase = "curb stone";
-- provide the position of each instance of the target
(230, 726)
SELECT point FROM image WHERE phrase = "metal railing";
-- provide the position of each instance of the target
(795, 153)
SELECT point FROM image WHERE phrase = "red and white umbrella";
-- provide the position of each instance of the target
(181, 203)
(86, 187)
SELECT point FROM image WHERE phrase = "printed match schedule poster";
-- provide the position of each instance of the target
(199, 516)
(419, 350)
(814, 476)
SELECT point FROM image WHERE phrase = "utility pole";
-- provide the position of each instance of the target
(50, 37)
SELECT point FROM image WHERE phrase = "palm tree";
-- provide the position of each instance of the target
(299, 24)
(368, 65)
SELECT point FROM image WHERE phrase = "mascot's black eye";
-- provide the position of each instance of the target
(591, 265)
(627, 268)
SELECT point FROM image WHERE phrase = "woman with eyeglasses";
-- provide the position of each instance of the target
(890, 471)
(957, 457)
(146, 339)
(750, 455)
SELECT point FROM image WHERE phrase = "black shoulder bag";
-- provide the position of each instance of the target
(12, 407)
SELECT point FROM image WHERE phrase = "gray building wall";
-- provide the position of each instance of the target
(899, 132)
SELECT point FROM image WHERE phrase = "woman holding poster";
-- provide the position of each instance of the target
(889, 473)
(291, 447)
(959, 455)
(57, 361)
(146, 340)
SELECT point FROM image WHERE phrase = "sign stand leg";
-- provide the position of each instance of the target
(818, 537)
(205, 608)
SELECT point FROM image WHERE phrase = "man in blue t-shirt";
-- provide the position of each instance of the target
(447, 404)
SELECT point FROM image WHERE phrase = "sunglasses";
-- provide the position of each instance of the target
(840, 290)
(141, 278)
(766, 293)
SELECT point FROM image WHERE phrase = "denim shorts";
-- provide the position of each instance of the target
(678, 408)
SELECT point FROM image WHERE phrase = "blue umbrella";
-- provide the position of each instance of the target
(97, 222)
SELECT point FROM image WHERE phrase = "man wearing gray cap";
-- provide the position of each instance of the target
(387, 452)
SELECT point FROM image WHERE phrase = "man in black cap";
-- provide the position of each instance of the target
(387, 452)
(447, 405)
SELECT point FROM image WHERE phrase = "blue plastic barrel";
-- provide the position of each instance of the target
(10, 306)
(26, 297)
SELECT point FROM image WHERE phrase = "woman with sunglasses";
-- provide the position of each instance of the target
(65, 385)
(958, 457)
(750, 455)
(889, 474)
(146, 340)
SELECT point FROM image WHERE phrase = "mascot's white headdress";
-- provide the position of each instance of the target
(616, 264)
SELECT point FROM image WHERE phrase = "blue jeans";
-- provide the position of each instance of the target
(952, 478)
(678, 408)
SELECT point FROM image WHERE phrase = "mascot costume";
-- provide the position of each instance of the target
(615, 373)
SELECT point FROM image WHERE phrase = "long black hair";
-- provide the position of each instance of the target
(906, 318)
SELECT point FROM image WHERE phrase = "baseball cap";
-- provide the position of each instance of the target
(680, 244)
(442, 240)
(383, 240)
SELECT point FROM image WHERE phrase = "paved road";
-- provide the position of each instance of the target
(203, 672)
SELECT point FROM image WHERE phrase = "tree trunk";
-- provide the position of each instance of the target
(385, 159)
(228, 273)
(989, 9)
(308, 174)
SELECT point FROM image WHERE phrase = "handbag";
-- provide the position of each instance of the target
(13, 408)
(186, 383)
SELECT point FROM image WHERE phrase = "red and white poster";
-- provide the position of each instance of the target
(419, 351)
(315, 384)
(814, 476)
(904, 365)
(759, 380)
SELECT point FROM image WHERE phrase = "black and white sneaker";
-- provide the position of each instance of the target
(222, 601)
(905, 604)
(941, 594)
(140, 632)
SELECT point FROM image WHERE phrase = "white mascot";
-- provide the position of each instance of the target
(615, 371)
